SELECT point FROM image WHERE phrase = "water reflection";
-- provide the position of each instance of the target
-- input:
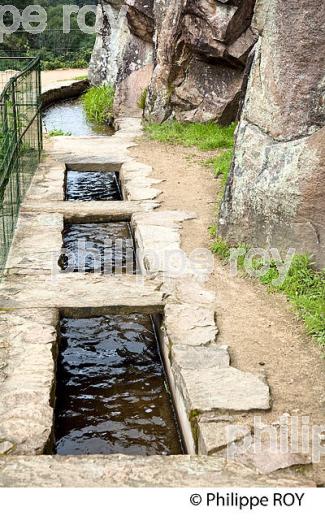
(102, 247)
(111, 390)
(69, 116)
(92, 186)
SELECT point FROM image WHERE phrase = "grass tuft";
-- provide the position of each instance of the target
(57, 132)
(142, 99)
(303, 286)
(98, 103)
(221, 164)
(205, 136)
(81, 78)
(219, 246)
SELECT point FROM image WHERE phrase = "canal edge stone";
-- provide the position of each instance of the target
(181, 298)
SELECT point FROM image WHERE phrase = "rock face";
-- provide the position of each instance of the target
(191, 54)
(123, 52)
(275, 193)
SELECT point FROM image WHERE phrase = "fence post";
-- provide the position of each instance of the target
(16, 134)
(20, 143)
(39, 104)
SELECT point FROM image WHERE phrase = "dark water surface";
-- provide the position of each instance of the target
(111, 390)
(92, 186)
(102, 247)
(69, 116)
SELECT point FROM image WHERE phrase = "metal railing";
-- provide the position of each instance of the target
(20, 140)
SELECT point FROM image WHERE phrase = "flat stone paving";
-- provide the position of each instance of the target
(28, 339)
(121, 471)
(77, 291)
(33, 293)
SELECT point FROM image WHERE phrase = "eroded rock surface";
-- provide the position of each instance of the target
(190, 53)
(275, 193)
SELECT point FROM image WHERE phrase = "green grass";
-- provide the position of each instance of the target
(205, 136)
(98, 104)
(303, 286)
(142, 99)
(220, 247)
(221, 164)
(81, 78)
(57, 132)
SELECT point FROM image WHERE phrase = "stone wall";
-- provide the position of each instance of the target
(191, 54)
(69, 90)
(275, 193)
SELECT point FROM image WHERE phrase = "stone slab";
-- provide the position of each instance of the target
(122, 471)
(48, 181)
(267, 453)
(190, 324)
(165, 218)
(91, 210)
(82, 291)
(96, 152)
(222, 389)
(37, 242)
(29, 340)
(189, 290)
(214, 436)
(197, 358)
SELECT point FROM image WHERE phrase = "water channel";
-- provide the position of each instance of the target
(112, 394)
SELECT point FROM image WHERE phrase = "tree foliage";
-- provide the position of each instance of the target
(58, 50)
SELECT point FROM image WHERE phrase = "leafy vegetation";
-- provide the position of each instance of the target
(143, 99)
(57, 50)
(205, 136)
(221, 164)
(98, 103)
(56, 133)
(303, 286)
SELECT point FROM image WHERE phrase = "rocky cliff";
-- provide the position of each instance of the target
(276, 192)
(198, 58)
(190, 53)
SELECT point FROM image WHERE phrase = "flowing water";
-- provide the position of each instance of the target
(102, 247)
(69, 116)
(92, 186)
(111, 391)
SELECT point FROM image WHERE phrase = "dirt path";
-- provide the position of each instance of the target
(263, 334)
(51, 77)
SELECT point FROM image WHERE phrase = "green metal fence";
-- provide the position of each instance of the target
(20, 140)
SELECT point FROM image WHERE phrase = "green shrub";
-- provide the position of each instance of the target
(205, 136)
(98, 103)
